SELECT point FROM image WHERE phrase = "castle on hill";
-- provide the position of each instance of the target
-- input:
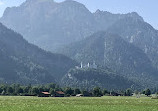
(87, 66)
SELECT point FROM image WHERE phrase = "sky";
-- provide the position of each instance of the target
(148, 9)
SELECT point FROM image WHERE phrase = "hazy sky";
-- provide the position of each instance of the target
(148, 9)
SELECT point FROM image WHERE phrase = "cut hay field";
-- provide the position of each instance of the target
(78, 104)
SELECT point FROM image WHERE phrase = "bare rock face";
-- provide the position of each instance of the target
(112, 51)
(140, 34)
(52, 25)
(48, 24)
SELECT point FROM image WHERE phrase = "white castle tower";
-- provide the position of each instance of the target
(81, 65)
(88, 65)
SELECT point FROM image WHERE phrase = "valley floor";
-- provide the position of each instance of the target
(10, 103)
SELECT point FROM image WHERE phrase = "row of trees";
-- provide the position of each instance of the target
(17, 89)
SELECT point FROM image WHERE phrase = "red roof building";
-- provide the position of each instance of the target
(44, 94)
(59, 94)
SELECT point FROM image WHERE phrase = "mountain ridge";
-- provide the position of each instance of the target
(103, 78)
(110, 50)
(26, 63)
(53, 25)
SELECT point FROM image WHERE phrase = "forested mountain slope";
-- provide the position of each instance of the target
(25, 63)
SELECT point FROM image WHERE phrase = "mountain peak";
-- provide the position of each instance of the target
(39, 0)
(70, 1)
(32, 2)
(98, 11)
(135, 15)
(73, 3)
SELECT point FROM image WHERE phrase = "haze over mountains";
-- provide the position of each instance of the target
(124, 43)
(110, 50)
(51, 25)
(21, 62)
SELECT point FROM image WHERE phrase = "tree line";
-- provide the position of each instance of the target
(35, 90)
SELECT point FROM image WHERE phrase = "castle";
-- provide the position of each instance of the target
(86, 66)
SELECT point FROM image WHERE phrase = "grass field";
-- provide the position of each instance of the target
(78, 104)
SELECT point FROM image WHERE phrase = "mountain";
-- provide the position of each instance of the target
(90, 78)
(49, 24)
(22, 62)
(106, 19)
(52, 25)
(110, 50)
(140, 34)
(131, 50)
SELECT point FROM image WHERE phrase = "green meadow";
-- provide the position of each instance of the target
(10, 103)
